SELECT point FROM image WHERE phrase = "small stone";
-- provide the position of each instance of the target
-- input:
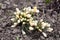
(57, 36)
(7, 2)
(1, 29)
(42, 37)
(59, 32)
(3, 6)
(16, 31)
(4, 24)
(21, 38)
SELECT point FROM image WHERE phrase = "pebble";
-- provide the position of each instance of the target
(15, 31)
(59, 32)
(1, 29)
(57, 36)
(3, 6)
(4, 24)
(42, 37)
(50, 38)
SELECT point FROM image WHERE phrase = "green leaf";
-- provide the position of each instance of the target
(17, 38)
(47, 1)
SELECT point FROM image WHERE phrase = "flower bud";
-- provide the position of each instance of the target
(28, 15)
(23, 32)
(48, 25)
(44, 34)
(41, 20)
(14, 25)
(19, 21)
(17, 10)
(43, 25)
(31, 28)
(23, 22)
(33, 23)
(13, 19)
(50, 29)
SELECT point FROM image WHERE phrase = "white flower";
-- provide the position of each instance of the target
(29, 8)
(23, 22)
(50, 29)
(33, 23)
(36, 21)
(13, 19)
(31, 28)
(23, 32)
(18, 11)
(14, 25)
(41, 20)
(24, 9)
(48, 25)
(22, 13)
(43, 25)
(15, 13)
(28, 15)
(19, 21)
(45, 35)
(22, 19)
(40, 30)
(37, 11)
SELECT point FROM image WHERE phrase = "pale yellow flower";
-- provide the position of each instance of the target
(22, 13)
(17, 16)
(14, 25)
(30, 19)
(13, 19)
(15, 13)
(24, 9)
(18, 21)
(43, 25)
(31, 28)
(40, 30)
(35, 9)
(48, 25)
(18, 11)
(50, 29)
(41, 20)
(23, 32)
(33, 23)
(23, 23)
(22, 19)
(28, 15)
(20, 16)
(28, 9)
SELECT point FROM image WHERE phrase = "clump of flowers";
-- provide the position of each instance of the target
(26, 17)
